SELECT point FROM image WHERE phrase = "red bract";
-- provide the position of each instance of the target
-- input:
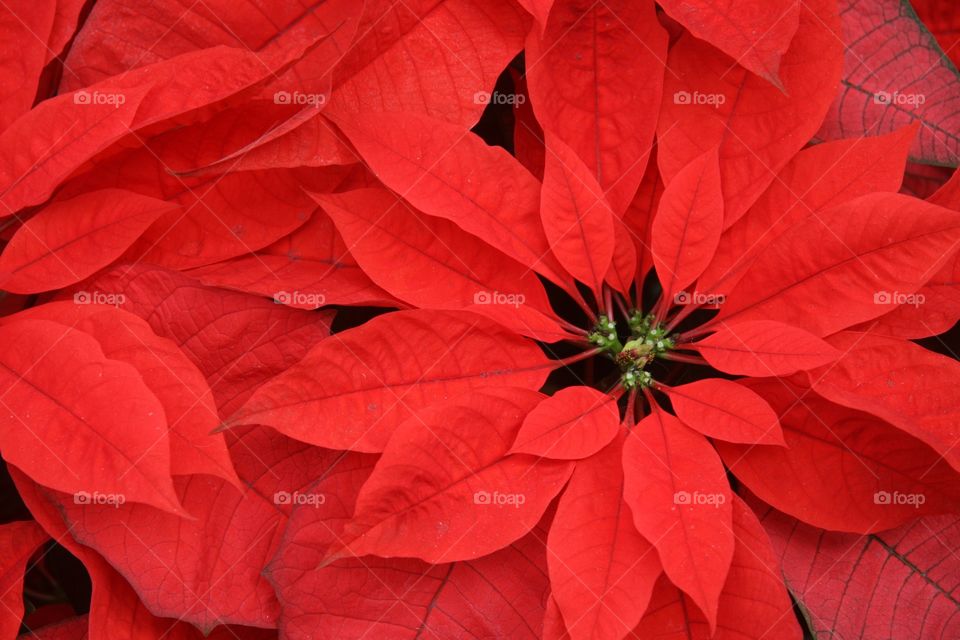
(479, 319)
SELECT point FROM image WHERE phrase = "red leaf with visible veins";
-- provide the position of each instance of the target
(19, 541)
(67, 411)
(753, 603)
(894, 74)
(353, 389)
(601, 569)
(677, 490)
(756, 33)
(595, 77)
(710, 101)
(764, 348)
(895, 584)
(726, 410)
(459, 454)
(688, 223)
(575, 214)
(71, 239)
(835, 266)
(841, 469)
(942, 20)
(573, 423)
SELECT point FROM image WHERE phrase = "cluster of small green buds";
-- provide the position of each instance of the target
(648, 340)
(636, 379)
(604, 335)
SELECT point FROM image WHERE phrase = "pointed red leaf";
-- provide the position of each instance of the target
(623, 266)
(573, 423)
(677, 490)
(69, 240)
(19, 541)
(575, 214)
(353, 389)
(756, 33)
(66, 416)
(460, 451)
(710, 101)
(601, 569)
(834, 266)
(688, 223)
(24, 33)
(753, 604)
(595, 77)
(841, 469)
(763, 348)
(894, 74)
(723, 409)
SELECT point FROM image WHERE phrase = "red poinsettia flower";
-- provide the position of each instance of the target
(500, 319)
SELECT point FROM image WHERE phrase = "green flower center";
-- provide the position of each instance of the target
(647, 340)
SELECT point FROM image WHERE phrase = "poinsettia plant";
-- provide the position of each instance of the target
(479, 319)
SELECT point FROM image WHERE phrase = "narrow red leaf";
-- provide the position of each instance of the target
(842, 469)
(677, 490)
(488, 497)
(688, 223)
(595, 77)
(353, 389)
(601, 569)
(764, 348)
(575, 214)
(69, 240)
(723, 409)
(573, 423)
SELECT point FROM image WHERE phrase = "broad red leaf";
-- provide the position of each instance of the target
(623, 266)
(426, 261)
(573, 423)
(19, 541)
(687, 225)
(528, 144)
(461, 451)
(894, 73)
(353, 389)
(841, 469)
(753, 603)
(539, 9)
(722, 409)
(941, 19)
(677, 490)
(836, 265)
(575, 214)
(601, 569)
(23, 32)
(432, 165)
(817, 178)
(187, 401)
(72, 629)
(899, 583)
(595, 76)
(71, 239)
(904, 384)
(710, 102)
(66, 414)
(756, 33)
(764, 348)
(638, 217)
(497, 596)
